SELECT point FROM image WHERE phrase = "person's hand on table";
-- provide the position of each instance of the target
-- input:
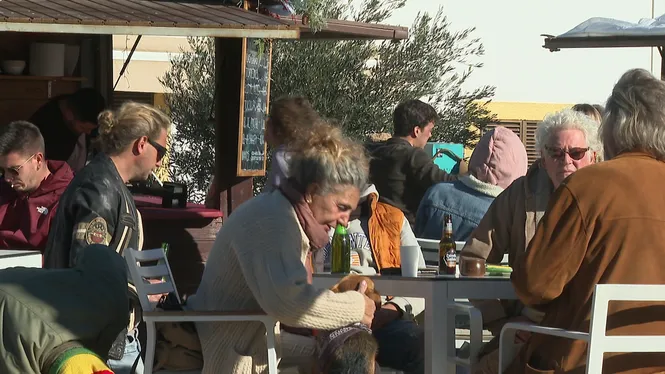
(370, 306)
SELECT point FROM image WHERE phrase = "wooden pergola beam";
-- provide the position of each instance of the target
(555, 44)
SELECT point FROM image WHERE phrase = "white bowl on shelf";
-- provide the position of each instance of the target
(13, 67)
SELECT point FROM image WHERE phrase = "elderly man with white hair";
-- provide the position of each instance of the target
(567, 141)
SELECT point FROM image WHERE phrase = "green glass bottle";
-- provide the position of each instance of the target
(341, 251)
(165, 247)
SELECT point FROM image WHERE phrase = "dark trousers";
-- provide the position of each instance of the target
(401, 346)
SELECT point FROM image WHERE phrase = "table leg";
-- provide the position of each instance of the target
(439, 330)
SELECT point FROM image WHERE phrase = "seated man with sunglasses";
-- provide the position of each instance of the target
(97, 207)
(30, 188)
(566, 141)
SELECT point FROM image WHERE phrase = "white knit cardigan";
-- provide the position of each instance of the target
(257, 263)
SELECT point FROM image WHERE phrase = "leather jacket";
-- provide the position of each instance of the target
(96, 208)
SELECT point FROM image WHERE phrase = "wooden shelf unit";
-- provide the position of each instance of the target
(10, 77)
(22, 95)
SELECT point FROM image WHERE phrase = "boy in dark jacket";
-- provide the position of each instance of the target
(400, 168)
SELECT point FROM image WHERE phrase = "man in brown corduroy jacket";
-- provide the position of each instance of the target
(604, 224)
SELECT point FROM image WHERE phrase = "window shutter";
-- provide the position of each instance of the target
(513, 125)
(530, 140)
(526, 130)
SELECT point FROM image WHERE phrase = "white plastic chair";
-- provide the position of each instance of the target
(430, 249)
(141, 273)
(599, 342)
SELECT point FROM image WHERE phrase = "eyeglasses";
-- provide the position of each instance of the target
(14, 170)
(559, 153)
(161, 150)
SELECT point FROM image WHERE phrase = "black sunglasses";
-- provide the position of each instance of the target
(161, 150)
(559, 153)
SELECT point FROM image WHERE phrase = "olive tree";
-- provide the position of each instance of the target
(355, 82)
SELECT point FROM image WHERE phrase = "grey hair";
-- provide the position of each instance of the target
(635, 115)
(329, 160)
(567, 119)
(589, 110)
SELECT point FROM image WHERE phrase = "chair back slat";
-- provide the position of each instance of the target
(156, 271)
(149, 255)
(158, 288)
(600, 342)
(150, 265)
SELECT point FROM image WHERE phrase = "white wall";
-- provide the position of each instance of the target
(515, 61)
(150, 61)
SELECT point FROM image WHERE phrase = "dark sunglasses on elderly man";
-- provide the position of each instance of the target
(559, 153)
(161, 150)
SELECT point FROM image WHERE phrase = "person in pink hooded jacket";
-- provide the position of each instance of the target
(498, 159)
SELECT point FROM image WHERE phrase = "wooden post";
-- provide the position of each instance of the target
(104, 78)
(233, 190)
(662, 63)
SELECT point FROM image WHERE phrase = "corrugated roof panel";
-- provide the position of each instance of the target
(171, 18)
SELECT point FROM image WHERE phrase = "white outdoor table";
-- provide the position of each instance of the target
(438, 291)
(20, 257)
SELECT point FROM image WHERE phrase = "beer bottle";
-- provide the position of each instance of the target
(447, 250)
(341, 251)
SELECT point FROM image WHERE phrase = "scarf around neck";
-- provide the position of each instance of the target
(316, 232)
